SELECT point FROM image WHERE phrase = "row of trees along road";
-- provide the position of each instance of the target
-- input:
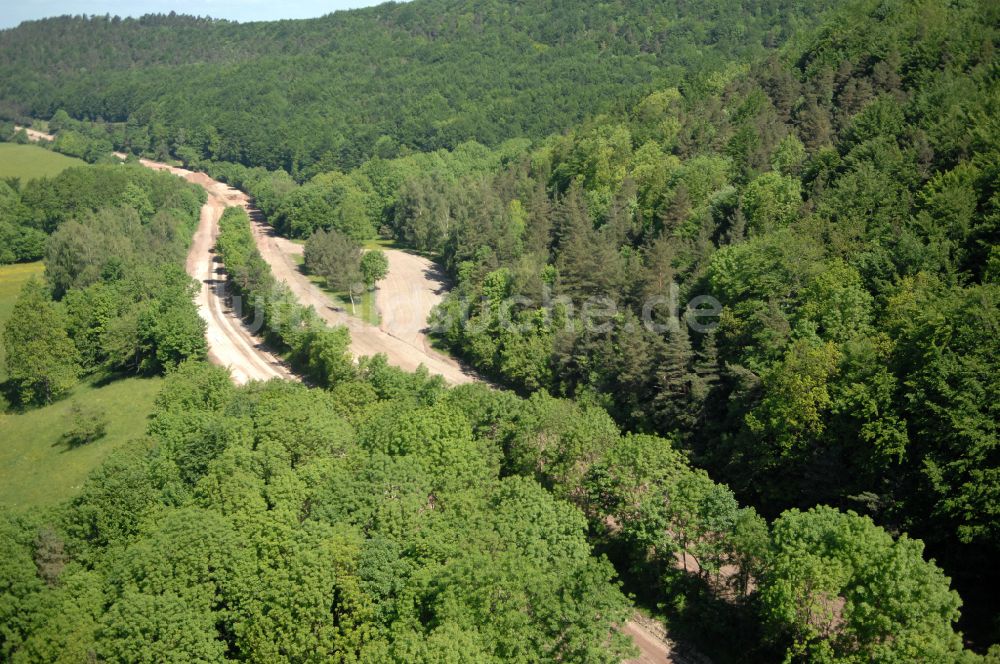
(115, 298)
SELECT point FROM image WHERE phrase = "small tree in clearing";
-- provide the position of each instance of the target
(374, 267)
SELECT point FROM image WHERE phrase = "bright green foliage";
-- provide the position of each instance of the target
(255, 528)
(644, 492)
(327, 355)
(838, 196)
(840, 589)
(114, 501)
(835, 303)
(19, 585)
(771, 201)
(331, 201)
(312, 607)
(42, 362)
(557, 440)
(258, 526)
(789, 156)
(114, 256)
(629, 483)
(374, 267)
(85, 425)
(303, 422)
(797, 395)
(142, 628)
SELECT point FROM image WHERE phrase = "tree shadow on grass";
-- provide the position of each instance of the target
(10, 400)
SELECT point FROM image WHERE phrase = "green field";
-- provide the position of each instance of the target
(30, 161)
(12, 278)
(37, 468)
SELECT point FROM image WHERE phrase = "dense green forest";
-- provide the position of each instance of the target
(765, 475)
(115, 298)
(330, 92)
(839, 199)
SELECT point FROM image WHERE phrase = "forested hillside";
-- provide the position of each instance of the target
(330, 92)
(802, 465)
(838, 199)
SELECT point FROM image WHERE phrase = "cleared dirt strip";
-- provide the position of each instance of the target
(230, 342)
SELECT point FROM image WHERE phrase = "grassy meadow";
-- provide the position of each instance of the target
(38, 468)
(30, 161)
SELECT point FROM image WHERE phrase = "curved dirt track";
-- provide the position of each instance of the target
(230, 343)
(412, 288)
(408, 351)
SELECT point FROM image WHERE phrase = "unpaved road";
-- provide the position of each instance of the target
(404, 299)
(230, 342)
(655, 647)
(407, 350)
(652, 650)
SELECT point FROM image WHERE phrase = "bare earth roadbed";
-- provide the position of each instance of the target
(230, 343)
(408, 303)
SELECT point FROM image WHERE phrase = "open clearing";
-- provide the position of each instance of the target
(38, 469)
(283, 257)
(413, 287)
(30, 161)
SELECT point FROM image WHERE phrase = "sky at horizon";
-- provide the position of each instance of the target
(13, 13)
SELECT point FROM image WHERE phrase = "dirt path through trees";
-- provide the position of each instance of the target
(405, 298)
(230, 342)
(406, 352)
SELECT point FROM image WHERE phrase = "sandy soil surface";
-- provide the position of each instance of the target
(230, 342)
(406, 350)
(34, 134)
(413, 287)
(652, 649)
